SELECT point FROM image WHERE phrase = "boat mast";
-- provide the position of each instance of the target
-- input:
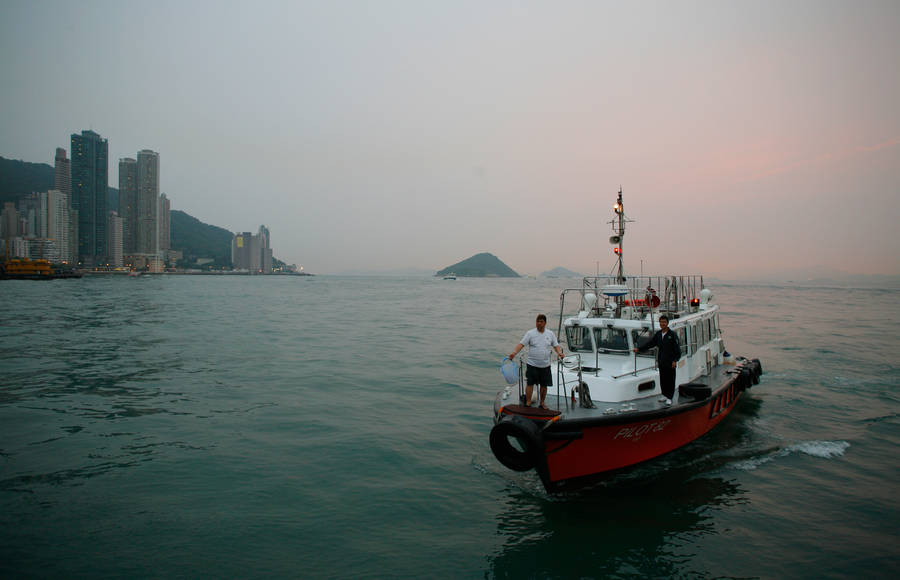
(619, 229)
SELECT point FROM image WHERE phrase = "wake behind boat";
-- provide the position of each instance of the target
(607, 413)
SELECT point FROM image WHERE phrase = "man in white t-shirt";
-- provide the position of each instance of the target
(540, 342)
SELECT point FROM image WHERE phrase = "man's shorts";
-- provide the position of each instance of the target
(538, 376)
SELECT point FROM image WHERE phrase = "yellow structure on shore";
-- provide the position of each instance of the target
(25, 269)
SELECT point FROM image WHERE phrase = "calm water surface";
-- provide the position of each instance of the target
(196, 427)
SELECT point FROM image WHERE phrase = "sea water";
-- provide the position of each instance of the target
(337, 427)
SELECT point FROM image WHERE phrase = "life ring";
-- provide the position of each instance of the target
(528, 436)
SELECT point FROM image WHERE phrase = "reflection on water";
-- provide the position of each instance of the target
(609, 530)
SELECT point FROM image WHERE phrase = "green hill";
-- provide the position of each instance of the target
(19, 178)
(482, 265)
(196, 239)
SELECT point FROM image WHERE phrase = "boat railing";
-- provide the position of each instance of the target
(563, 391)
(668, 294)
(570, 362)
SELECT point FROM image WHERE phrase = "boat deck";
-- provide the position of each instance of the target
(562, 405)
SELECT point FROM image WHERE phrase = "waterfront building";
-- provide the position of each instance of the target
(252, 252)
(9, 221)
(62, 172)
(164, 221)
(45, 224)
(41, 249)
(59, 224)
(11, 228)
(33, 207)
(115, 240)
(147, 201)
(90, 182)
(62, 182)
(265, 250)
(241, 253)
(128, 203)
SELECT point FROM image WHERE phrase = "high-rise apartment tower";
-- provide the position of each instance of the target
(90, 182)
(128, 204)
(147, 201)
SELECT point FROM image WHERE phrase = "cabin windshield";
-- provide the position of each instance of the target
(639, 337)
(579, 339)
(611, 340)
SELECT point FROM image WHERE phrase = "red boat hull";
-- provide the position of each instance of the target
(573, 451)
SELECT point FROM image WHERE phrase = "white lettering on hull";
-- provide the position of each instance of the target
(635, 433)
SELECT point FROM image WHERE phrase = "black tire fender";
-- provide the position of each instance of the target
(741, 381)
(747, 377)
(757, 370)
(697, 391)
(526, 433)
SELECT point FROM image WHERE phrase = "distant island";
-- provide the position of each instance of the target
(560, 272)
(483, 265)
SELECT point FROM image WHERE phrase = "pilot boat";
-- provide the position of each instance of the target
(607, 413)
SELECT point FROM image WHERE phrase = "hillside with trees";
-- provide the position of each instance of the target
(197, 240)
(19, 178)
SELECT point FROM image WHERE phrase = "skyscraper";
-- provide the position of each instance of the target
(165, 212)
(90, 181)
(9, 221)
(147, 200)
(58, 224)
(265, 249)
(128, 204)
(68, 231)
(62, 173)
(241, 251)
(115, 239)
(253, 253)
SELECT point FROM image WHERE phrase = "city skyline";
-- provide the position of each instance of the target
(402, 135)
(133, 226)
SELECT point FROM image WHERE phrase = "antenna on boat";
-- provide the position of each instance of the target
(618, 226)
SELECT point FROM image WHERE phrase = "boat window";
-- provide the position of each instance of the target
(611, 340)
(682, 340)
(692, 336)
(579, 339)
(639, 337)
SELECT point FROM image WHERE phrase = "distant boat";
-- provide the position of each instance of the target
(450, 276)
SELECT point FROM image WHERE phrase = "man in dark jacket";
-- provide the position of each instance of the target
(668, 352)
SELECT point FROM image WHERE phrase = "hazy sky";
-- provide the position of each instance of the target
(749, 138)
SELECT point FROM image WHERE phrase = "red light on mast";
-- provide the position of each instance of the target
(617, 250)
